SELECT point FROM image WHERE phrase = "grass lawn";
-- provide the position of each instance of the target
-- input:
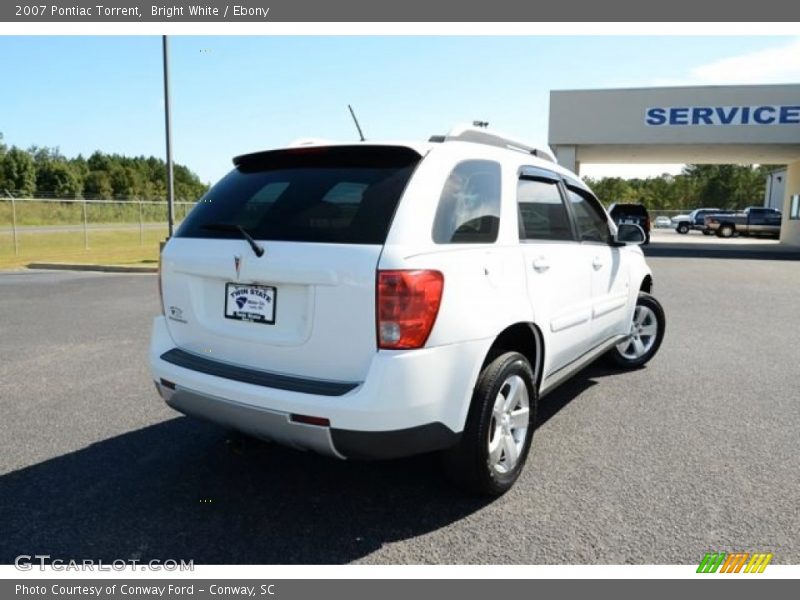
(117, 247)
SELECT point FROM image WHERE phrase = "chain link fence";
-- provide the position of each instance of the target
(29, 224)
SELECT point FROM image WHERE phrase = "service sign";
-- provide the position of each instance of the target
(787, 114)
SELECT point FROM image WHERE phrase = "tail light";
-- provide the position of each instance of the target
(407, 305)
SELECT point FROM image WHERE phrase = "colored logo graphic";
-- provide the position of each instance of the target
(241, 301)
(734, 562)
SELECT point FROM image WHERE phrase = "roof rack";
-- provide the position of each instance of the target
(465, 133)
(298, 143)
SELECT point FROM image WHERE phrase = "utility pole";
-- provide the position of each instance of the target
(170, 184)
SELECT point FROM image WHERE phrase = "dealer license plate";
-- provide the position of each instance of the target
(254, 303)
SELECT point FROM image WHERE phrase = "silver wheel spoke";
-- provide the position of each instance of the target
(497, 414)
(650, 329)
(515, 385)
(510, 447)
(519, 418)
(638, 346)
(496, 447)
(499, 404)
(639, 315)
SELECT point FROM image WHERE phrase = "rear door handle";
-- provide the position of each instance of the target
(541, 264)
(597, 263)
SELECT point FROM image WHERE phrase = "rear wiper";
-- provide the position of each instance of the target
(258, 249)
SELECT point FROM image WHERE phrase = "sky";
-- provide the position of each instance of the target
(236, 94)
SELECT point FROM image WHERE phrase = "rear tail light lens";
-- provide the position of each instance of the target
(407, 305)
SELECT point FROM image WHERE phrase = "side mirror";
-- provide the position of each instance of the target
(629, 234)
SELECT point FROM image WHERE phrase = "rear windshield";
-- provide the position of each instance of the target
(342, 195)
(631, 210)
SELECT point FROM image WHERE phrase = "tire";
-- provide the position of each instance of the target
(629, 354)
(707, 232)
(682, 228)
(726, 230)
(483, 462)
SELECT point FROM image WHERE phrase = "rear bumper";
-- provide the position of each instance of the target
(265, 424)
(410, 402)
(280, 428)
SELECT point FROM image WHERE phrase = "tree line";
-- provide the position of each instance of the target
(717, 186)
(46, 173)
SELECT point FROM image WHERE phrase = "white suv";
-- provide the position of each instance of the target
(378, 300)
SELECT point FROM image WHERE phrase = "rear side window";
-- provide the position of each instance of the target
(342, 195)
(542, 212)
(469, 206)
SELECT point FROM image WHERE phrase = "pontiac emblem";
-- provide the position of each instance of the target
(237, 262)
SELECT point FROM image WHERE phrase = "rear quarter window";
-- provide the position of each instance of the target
(469, 205)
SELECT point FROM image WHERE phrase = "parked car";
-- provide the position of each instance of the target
(754, 220)
(663, 221)
(695, 220)
(378, 300)
(677, 219)
(633, 214)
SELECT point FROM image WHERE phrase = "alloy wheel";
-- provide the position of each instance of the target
(644, 329)
(509, 426)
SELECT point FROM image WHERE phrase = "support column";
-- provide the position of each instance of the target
(567, 157)
(790, 228)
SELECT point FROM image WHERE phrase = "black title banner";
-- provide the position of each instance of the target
(464, 11)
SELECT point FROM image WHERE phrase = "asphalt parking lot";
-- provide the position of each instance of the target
(696, 452)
